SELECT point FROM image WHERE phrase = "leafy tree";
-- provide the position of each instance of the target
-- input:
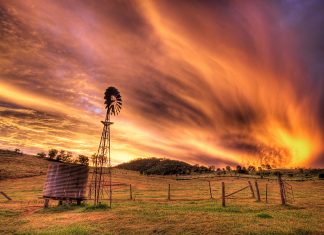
(67, 157)
(244, 170)
(84, 160)
(61, 155)
(251, 168)
(212, 168)
(228, 168)
(93, 158)
(41, 155)
(268, 167)
(238, 168)
(17, 151)
(224, 171)
(52, 153)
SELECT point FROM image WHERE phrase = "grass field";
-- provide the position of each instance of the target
(190, 210)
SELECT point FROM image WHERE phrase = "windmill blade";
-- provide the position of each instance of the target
(113, 100)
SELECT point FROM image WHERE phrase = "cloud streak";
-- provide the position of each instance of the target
(225, 82)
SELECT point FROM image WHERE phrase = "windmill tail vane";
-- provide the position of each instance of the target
(100, 187)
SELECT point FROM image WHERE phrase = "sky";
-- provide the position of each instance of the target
(206, 82)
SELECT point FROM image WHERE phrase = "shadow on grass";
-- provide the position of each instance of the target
(74, 207)
(99, 207)
(264, 216)
(62, 208)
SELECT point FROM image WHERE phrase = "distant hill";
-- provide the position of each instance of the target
(160, 166)
(17, 165)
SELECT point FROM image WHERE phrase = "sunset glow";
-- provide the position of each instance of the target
(219, 83)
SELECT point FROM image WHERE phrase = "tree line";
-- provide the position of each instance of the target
(242, 169)
(64, 156)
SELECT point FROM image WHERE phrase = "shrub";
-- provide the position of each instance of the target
(52, 153)
(41, 155)
(84, 160)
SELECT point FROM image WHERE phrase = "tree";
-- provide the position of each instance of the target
(211, 168)
(61, 155)
(52, 153)
(238, 168)
(224, 171)
(268, 167)
(84, 160)
(41, 155)
(93, 159)
(244, 170)
(251, 168)
(67, 157)
(17, 151)
(228, 168)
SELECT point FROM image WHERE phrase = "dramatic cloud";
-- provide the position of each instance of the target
(211, 82)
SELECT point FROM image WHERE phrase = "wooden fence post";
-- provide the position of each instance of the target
(6, 196)
(130, 192)
(257, 191)
(169, 196)
(46, 202)
(223, 194)
(266, 193)
(210, 190)
(251, 188)
(89, 193)
(282, 192)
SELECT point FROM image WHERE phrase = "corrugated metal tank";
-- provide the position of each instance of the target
(66, 181)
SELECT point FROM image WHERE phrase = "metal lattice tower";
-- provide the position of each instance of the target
(101, 182)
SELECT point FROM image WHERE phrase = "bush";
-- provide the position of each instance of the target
(84, 160)
(52, 154)
(41, 155)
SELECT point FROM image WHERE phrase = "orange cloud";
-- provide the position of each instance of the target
(205, 82)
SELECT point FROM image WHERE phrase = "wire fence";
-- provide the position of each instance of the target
(150, 188)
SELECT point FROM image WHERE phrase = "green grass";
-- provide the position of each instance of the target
(99, 207)
(62, 208)
(71, 230)
(190, 211)
(264, 216)
(9, 213)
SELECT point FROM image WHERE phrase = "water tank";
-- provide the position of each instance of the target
(66, 181)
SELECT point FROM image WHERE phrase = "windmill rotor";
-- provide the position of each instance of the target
(113, 101)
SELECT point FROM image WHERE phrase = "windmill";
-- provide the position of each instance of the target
(101, 184)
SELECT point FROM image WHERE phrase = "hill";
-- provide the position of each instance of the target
(160, 166)
(18, 165)
(190, 208)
